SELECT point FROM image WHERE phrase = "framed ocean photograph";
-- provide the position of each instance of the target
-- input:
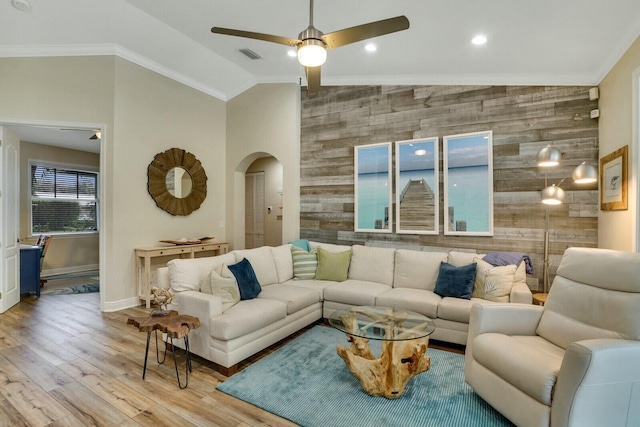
(468, 184)
(417, 193)
(373, 188)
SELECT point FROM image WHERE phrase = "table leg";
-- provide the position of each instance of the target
(146, 353)
(160, 362)
(187, 363)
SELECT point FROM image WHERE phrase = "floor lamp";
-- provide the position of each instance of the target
(554, 195)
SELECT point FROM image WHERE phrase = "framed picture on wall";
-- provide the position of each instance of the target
(417, 183)
(468, 184)
(373, 188)
(613, 180)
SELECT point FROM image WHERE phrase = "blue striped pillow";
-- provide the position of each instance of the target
(305, 263)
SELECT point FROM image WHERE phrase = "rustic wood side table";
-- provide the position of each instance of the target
(176, 326)
(540, 298)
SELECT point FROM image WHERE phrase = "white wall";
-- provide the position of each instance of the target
(617, 229)
(143, 113)
(263, 120)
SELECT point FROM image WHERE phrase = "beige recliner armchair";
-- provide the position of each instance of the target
(575, 361)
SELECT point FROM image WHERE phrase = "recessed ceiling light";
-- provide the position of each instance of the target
(479, 40)
(370, 47)
(292, 53)
(22, 5)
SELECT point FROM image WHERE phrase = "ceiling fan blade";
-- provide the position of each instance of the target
(365, 31)
(313, 79)
(258, 36)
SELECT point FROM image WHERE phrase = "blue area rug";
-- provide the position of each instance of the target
(308, 383)
(77, 289)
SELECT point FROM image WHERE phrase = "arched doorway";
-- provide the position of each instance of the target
(263, 203)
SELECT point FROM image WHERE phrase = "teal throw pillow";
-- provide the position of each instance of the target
(246, 278)
(305, 263)
(455, 281)
(333, 265)
(302, 244)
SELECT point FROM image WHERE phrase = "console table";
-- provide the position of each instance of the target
(144, 256)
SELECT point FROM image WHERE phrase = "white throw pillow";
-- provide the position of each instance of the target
(223, 285)
(493, 283)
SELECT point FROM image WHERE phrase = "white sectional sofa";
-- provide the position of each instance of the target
(376, 276)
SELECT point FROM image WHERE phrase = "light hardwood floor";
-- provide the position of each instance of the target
(64, 363)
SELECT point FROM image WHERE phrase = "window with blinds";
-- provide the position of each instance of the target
(63, 200)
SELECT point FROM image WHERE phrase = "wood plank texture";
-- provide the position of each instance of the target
(524, 119)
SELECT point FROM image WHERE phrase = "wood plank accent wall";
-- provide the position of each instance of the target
(523, 119)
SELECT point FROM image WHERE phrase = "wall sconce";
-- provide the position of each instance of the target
(554, 195)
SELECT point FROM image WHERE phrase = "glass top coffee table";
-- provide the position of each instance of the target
(405, 337)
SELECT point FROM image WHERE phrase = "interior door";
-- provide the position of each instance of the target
(254, 210)
(9, 219)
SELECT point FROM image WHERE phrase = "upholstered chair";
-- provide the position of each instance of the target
(575, 361)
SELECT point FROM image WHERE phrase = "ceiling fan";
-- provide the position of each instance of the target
(312, 44)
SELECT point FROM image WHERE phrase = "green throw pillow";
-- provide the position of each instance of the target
(304, 263)
(333, 265)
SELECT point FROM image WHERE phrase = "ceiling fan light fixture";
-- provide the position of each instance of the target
(97, 135)
(312, 53)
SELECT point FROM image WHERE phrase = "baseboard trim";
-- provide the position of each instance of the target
(121, 304)
(69, 270)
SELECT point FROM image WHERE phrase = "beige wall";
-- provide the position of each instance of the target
(618, 229)
(272, 197)
(143, 113)
(265, 120)
(66, 253)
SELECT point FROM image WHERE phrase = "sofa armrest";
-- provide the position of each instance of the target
(504, 318)
(520, 293)
(162, 277)
(204, 307)
(598, 384)
(501, 318)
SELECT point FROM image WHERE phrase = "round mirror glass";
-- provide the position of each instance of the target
(179, 182)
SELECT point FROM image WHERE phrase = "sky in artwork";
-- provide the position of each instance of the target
(467, 151)
(373, 159)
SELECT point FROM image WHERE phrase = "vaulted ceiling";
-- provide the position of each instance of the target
(534, 42)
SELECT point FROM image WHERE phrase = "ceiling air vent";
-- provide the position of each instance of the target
(250, 54)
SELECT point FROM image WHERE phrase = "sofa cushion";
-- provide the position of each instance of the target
(329, 246)
(246, 278)
(333, 265)
(261, 260)
(418, 300)
(302, 244)
(317, 285)
(372, 264)
(283, 261)
(354, 292)
(493, 283)
(304, 263)
(246, 317)
(458, 309)
(417, 269)
(188, 274)
(295, 297)
(455, 281)
(531, 364)
(576, 311)
(459, 259)
(223, 285)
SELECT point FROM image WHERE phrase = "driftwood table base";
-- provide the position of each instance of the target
(389, 374)
(404, 336)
